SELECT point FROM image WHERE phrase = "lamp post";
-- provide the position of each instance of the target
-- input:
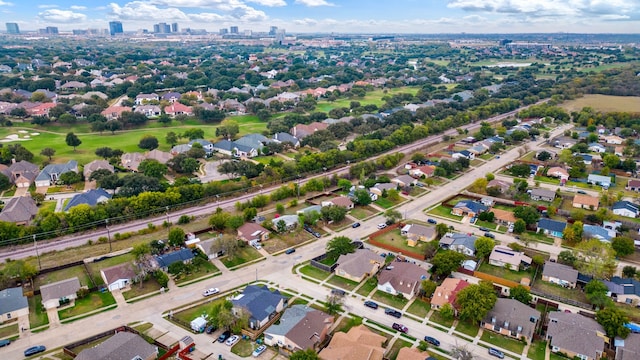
(106, 221)
(169, 223)
(35, 244)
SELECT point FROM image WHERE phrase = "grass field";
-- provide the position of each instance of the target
(438, 319)
(372, 97)
(7, 331)
(314, 272)
(244, 254)
(502, 341)
(93, 301)
(395, 301)
(419, 308)
(467, 328)
(604, 103)
(368, 286)
(94, 268)
(37, 314)
(146, 287)
(342, 282)
(59, 275)
(537, 350)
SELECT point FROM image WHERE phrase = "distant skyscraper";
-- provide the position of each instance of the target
(156, 28)
(115, 27)
(12, 28)
(174, 27)
(162, 28)
(224, 31)
(273, 30)
(234, 30)
(51, 30)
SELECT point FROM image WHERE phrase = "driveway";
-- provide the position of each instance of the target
(211, 172)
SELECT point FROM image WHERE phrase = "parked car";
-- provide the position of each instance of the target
(582, 192)
(209, 329)
(497, 353)
(497, 156)
(210, 292)
(35, 350)
(394, 313)
(489, 235)
(257, 246)
(431, 340)
(259, 350)
(355, 225)
(484, 229)
(290, 251)
(400, 327)
(5, 342)
(431, 221)
(382, 225)
(338, 292)
(224, 336)
(232, 340)
(371, 304)
(405, 193)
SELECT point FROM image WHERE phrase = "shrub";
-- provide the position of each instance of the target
(184, 219)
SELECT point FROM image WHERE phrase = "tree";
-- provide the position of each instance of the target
(441, 229)
(596, 258)
(479, 186)
(72, 140)
(171, 138)
(333, 304)
(484, 246)
(104, 152)
(520, 170)
(48, 152)
(70, 177)
(573, 233)
(361, 197)
(193, 133)
(228, 129)
(333, 213)
(139, 251)
(460, 352)
(5, 183)
(613, 321)
(176, 237)
(611, 161)
(447, 311)
(447, 261)
(596, 293)
(393, 216)
(526, 213)
(475, 301)
(544, 156)
(309, 354)
(623, 245)
(249, 213)
(344, 184)
(152, 168)
(234, 222)
(148, 142)
(521, 294)
(629, 271)
(427, 287)
(519, 226)
(339, 245)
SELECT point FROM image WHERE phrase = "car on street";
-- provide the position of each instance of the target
(355, 225)
(431, 221)
(431, 340)
(211, 291)
(382, 225)
(224, 336)
(35, 350)
(371, 304)
(400, 327)
(394, 313)
(5, 342)
(339, 292)
(290, 251)
(232, 340)
(259, 350)
(489, 235)
(497, 156)
(582, 192)
(484, 229)
(497, 353)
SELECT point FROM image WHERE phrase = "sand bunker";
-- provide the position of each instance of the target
(14, 137)
(22, 131)
(35, 134)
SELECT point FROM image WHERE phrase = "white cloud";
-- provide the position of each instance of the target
(47, 6)
(314, 3)
(269, 3)
(139, 10)
(62, 16)
(306, 22)
(4, 3)
(77, 7)
(549, 8)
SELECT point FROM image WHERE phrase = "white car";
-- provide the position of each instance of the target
(259, 350)
(232, 340)
(210, 292)
(382, 226)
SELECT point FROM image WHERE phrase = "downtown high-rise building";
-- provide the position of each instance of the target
(115, 27)
(49, 30)
(12, 28)
(162, 28)
(273, 30)
(174, 27)
(234, 30)
(224, 31)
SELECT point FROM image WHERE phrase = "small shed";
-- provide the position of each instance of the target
(198, 324)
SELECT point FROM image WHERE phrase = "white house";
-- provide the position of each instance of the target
(119, 276)
(626, 208)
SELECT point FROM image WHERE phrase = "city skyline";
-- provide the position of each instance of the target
(353, 16)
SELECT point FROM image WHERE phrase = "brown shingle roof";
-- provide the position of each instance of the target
(576, 333)
(121, 271)
(359, 343)
(586, 200)
(59, 289)
(309, 331)
(20, 209)
(358, 263)
(404, 276)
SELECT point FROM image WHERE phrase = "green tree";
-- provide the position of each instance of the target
(629, 272)
(484, 247)
(281, 226)
(446, 262)
(447, 312)
(441, 229)
(613, 321)
(567, 257)
(139, 251)
(361, 197)
(161, 278)
(171, 138)
(218, 220)
(596, 292)
(611, 161)
(5, 183)
(176, 237)
(309, 354)
(527, 213)
(521, 294)
(427, 287)
(393, 216)
(344, 184)
(279, 208)
(475, 301)
(148, 142)
(48, 152)
(152, 168)
(249, 213)
(339, 245)
(234, 222)
(596, 258)
(228, 128)
(334, 303)
(72, 140)
(519, 226)
(333, 213)
(623, 245)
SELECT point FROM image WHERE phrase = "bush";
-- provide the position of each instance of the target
(82, 292)
(102, 239)
(184, 219)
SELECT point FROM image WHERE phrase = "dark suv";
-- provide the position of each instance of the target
(224, 336)
(339, 292)
(371, 304)
(431, 340)
(400, 327)
(394, 313)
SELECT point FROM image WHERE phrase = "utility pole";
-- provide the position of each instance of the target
(106, 221)
(35, 244)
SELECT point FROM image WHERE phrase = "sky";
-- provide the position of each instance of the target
(337, 16)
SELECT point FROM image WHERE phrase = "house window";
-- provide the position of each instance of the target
(8, 316)
(629, 301)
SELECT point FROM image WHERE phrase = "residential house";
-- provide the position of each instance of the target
(51, 173)
(358, 265)
(162, 157)
(309, 209)
(628, 348)
(626, 208)
(283, 137)
(597, 148)
(417, 232)
(148, 110)
(290, 222)
(540, 194)
(575, 335)
(143, 99)
(624, 290)
(512, 318)
(598, 232)
(341, 201)
(503, 216)
(402, 278)
(558, 172)
(358, 343)
(468, 208)
(20, 210)
(114, 112)
(260, 303)
(380, 188)
(423, 171)
(503, 256)
(604, 181)
(404, 181)
(463, 154)
(58, 293)
(231, 148)
(585, 202)
(560, 274)
(633, 185)
(301, 131)
(96, 165)
(502, 185)
(13, 304)
(252, 233)
(171, 96)
(41, 109)
(446, 293)
(210, 248)
(462, 243)
(613, 140)
(118, 276)
(255, 141)
(207, 145)
(564, 142)
(122, 345)
(551, 227)
(131, 161)
(586, 158)
(92, 198)
(182, 255)
(177, 108)
(300, 328)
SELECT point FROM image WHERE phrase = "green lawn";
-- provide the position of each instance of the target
(202, 269)
(445, 212)
(488, 225)
(371, 97)
(467, 328)
(342, 282)
(438, 319)
(392, 353)
(368, 286)
(94, 267)
(533, 236)
(362, 212)
(243, 348)
(558, 290)
(191, 313)
(394, 238)
(314, 272)
(419, 308)
(385, 203)
(244, 254)
(37, 314)
(504, 273)
(9, 330)
(59, 275)
(391, 300)
(93, 301)
(503, 341)
(146, 287)
(537, 350)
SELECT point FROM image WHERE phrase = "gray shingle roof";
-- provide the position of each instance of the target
(19, 209)
(560, 271)
(576, 333)
(91, 198)
(289, 319)
(259, 301)
(168, 259)
(59, 289)
(58, 169)
(12, 299)
(513, 315)
(122, 345)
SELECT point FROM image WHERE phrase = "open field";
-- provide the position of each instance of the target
(372, 97)
(604, 103)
